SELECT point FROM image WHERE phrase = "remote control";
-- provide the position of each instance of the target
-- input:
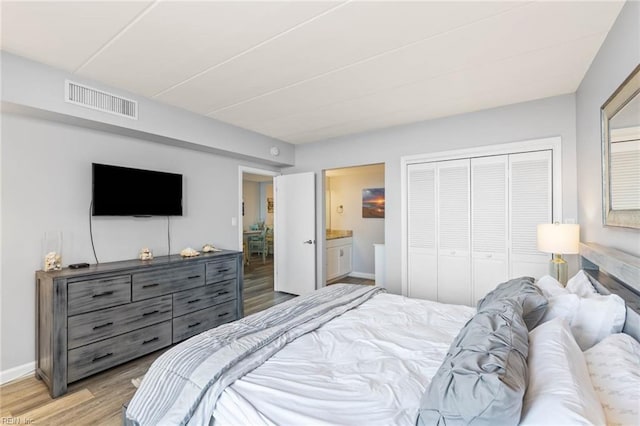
(78, 265)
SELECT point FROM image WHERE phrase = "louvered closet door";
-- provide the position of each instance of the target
(489, 223)
(531, 204)
(421, 225)
(454, 265)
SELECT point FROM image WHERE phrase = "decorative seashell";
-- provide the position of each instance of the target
(189, 252)
(145, 254)
(52, 261)
(208, 248)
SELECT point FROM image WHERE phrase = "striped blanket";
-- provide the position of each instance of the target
(184, 384)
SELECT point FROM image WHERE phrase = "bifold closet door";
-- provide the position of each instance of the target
(530, 195)
(454, 265)
(422, 252)
(489, 223)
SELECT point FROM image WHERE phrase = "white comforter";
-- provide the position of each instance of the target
(369, 366)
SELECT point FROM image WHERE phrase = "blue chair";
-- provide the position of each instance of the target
(258, 244)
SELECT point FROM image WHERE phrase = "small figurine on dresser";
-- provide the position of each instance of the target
(145, 254)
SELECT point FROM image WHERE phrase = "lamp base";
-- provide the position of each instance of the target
(558, 269)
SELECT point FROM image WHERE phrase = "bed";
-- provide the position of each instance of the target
(357, 355)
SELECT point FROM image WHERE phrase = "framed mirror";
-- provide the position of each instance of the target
(621, 154)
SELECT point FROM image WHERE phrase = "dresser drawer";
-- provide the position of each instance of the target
(91, 359)
(205, 319)
(94, 326)
(157, 283)
(200, 298)
(89, 295)
(221, 270)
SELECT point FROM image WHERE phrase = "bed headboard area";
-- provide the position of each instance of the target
(613, 271)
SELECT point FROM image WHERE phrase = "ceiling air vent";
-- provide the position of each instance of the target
(89, 97)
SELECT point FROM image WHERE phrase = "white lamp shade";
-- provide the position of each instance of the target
(558, 238)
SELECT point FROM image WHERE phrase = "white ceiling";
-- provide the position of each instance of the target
(304, 71)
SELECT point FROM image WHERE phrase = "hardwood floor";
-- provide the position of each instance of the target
(98, 399)
(352, 280)
(258, 286)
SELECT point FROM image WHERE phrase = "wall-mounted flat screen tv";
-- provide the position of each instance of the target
(123, 191)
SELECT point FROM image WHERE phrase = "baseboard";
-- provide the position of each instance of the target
(11, 374)
(363, 275)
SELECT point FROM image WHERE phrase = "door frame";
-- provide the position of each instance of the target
(553, 143)
(241, 171)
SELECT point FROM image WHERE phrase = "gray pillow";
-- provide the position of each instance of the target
(522, 289)
(484, 375)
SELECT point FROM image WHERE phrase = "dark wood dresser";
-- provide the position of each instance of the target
(92, 319)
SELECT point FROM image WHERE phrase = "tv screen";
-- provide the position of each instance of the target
(122, 191)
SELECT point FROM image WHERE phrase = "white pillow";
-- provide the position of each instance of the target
(560, 390)
(597, 317)
(563, 306)
(614, 366)
(579, 284)
(550, 286)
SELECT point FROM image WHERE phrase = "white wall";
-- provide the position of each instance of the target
(37, 89)
(251, 198)
(530, 120)
(618, 56)
(46, 185)
(346, 190)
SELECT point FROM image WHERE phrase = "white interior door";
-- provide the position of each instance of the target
(422, 244)
(454, 263)
(294, 233)
(489, 223)
(531, 203)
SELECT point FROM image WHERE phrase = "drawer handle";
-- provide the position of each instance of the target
(223, 315)
(150, 340)
(193, 301)
(106, 293)
(150, 285)
(222, 292)
(98, 358)
(192, 277)
(150, 313)
(194, 325)
(223, 270)
(97, 327)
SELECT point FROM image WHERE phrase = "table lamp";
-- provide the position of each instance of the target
(558, 239)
